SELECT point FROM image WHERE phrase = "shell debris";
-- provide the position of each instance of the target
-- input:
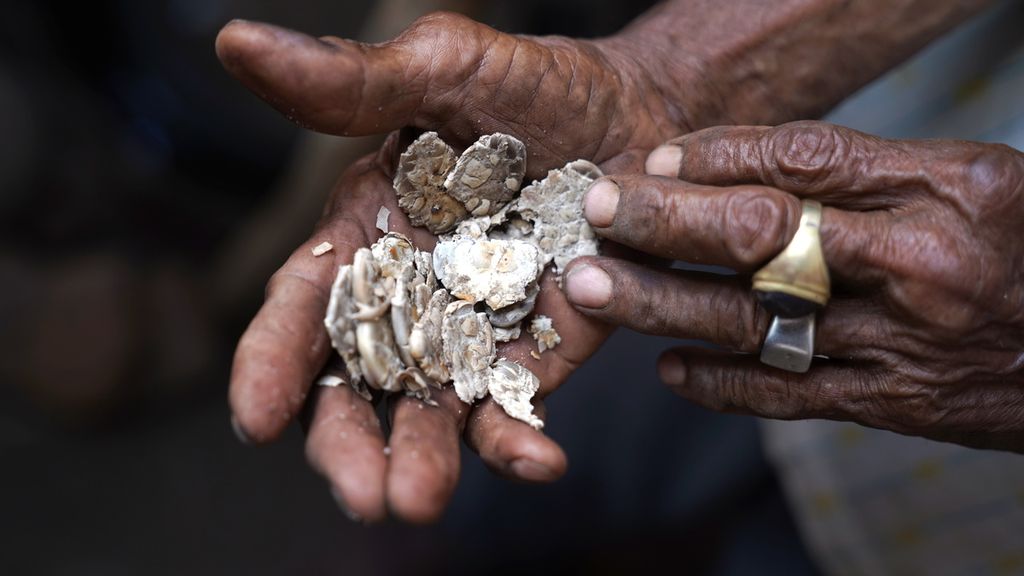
(322, 248)
(407, 320)
(544, 332)
(382, 219)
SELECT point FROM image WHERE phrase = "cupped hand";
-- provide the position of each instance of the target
(924, 334)
(565, 99)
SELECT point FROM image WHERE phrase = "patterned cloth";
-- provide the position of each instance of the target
(871, 502)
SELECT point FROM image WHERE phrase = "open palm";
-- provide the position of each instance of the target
(565, 99)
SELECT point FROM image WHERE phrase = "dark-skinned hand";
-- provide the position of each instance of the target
(565, 99)
(924, 334)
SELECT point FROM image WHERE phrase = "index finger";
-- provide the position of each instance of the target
(283, 348)
(834, 164)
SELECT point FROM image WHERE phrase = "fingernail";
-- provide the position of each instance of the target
(665, 160)
(671, 369)
(600, 203)
(239, 433)
(588, 286)
(531, 471)
(340, 501)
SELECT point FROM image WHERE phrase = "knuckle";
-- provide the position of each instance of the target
(903, 405)
(994, 182)
(656, 303)
(929, 271)
(654, 214)
(757, 225)
(804, 152)
(430, 25)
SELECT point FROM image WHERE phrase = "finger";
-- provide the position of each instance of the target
(739, 227)
(713, 308)
(424, 465)
(330, 85)
(345, 445)
(286, 345)
(512, 448)
(281, 351)
(445, 73)
(740, 383)
(837, 165)
(351, 88)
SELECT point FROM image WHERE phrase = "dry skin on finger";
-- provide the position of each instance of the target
(407, 320)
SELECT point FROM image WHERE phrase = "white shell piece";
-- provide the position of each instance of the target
(493, 271)
(544, 332)
(322, 248)
(394, 254)
(469, 347)
(340, 322)
(512, 386)
(382, 219)
(331, 380)
(426, 343)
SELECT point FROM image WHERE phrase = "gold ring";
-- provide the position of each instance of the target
(796, 282)
(793, 287)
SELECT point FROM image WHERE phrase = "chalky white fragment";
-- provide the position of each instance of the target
(382, 219)
(322, 248)
(497, 272)
(512, 386)
(544, 332)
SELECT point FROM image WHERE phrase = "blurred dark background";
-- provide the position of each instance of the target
(145, 198)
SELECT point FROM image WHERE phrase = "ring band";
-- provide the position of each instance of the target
(793, 287)
(796, 282)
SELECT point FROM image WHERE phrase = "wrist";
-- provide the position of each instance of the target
(756, 63)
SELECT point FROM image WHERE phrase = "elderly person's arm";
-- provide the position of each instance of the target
(683, 66)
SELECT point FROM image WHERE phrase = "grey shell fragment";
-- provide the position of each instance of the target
(488, 174)
(419, 184)
(514, 313)
(469, 346)
(512, 386)
(554, 208)
(426, 342)
(341, 325)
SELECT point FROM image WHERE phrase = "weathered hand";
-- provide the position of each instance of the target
(925, 330)
(565, 99)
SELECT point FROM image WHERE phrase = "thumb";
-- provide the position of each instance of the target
(353, 89)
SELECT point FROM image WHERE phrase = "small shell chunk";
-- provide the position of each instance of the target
(469, 346)
(544, 332)
(512, 386)
(488, 174)
(341, 324)
(497, 272)
(419, 184)
(554, 206)
(322, 248)
(382, 219)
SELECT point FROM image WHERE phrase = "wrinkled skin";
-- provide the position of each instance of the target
(925, 331)
(565, 99)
